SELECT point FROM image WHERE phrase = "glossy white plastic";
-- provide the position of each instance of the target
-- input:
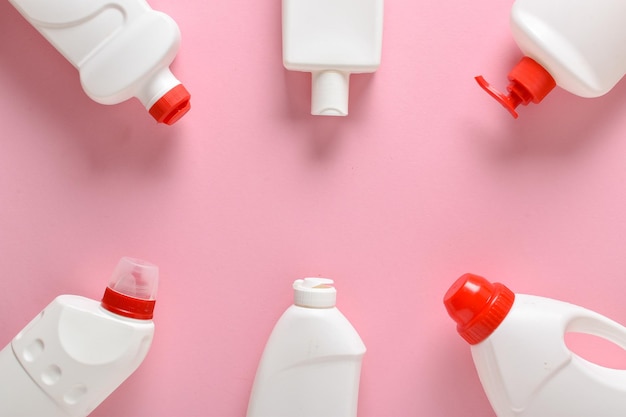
(76, 352)
(580, 43)
(121, 48)
(332, 39)
(312, 361)
(525, 366)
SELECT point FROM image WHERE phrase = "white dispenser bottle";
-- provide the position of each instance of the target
(524, 365)
(77, 351)
(577, 45)
(121, 48)
(332, 39)
(311, 364)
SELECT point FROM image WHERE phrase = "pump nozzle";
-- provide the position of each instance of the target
(529, 82)
(132, 289)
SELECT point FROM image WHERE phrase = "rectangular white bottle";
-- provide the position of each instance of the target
(332, 39)
(77, 351)
(311, 364)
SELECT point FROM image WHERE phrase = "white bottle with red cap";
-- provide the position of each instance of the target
(311, 364)
(121, 48)
(332, 39)
(577, 45)
(77, 351)
(519, 350)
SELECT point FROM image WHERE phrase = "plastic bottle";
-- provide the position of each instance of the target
(311, 364)
(332, 39)
(77, 351)
(578, 45)
(121, 48)
(518, 346)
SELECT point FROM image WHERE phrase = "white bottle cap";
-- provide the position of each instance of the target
(314, 293)
(329, 95)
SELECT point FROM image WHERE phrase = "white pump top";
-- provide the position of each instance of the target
(314, 293)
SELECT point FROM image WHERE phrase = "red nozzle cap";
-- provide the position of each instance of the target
(172, 106)
(477, 306)
(132, 289)
(529, 81)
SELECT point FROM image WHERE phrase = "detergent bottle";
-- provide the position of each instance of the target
(519, 350)
(311, 364)
(332, 39)
(577, 45)
(121, 48)
(77, 351)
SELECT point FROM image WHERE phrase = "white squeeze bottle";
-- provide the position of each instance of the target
(577, 45)
(332, 39)
(121, 48)
(311, 364)
(77, 351)
(519, 350)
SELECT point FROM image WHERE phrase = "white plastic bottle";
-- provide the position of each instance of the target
(121, 48)
(332, 39)
(77, 351)
(519, 350)
(577, 45)
(311, 364)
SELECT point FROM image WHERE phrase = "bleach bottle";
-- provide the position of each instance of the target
(518, 346)
(311, 364)
(121, 48)
(77, 351)
(577, 45)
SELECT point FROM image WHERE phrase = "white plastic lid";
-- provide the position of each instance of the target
(314, 293)
(329, 95)
(132, 289)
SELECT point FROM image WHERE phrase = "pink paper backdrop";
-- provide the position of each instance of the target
(427, 178)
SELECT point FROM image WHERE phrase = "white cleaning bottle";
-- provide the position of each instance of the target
(519, 350)
(77, 351)
(577, 45)
(332, 39)
(311, 364)
(121, 48)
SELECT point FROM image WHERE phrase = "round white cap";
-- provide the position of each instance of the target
(314, 293)
(329, 95)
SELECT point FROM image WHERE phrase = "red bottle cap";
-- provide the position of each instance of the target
(172, 106)
(529, 82)
(477, 306)
(132, 289)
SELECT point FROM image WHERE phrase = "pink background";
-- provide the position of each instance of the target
(427, 178)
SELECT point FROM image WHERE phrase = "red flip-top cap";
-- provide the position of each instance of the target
(529, 82)
(477, 306)
(172, 106)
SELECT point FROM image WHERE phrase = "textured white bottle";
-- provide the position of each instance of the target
(77, 351)
(524, 365)
(332, 39)
(311, 364)
(121, 48)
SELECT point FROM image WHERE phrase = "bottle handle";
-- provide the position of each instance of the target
(595, 324)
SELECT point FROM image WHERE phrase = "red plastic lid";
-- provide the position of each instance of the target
(172, 106)
(477, 306)
(529, 82)
(132, 289)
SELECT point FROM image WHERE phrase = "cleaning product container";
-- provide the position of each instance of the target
(519, 350)
(332, 39)
(77, 351)
(121, 48)
(577, 45)
(311, 364)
